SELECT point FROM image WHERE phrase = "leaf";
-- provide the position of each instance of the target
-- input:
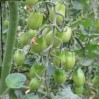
(31, 96)
(15, 80)
(77, 5)
(66, 93)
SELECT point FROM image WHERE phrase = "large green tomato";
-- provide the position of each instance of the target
(78, 77)
(35, 83)
(60, 8)
(38, 45)
(95, 80)
(31, 2)
(70, 60)
(23, 40)
(60, 76)
(79, 90)
(19, 57)
(36, 69)
(35, 20)
(49, 37)
(67, 33)
(59, 59)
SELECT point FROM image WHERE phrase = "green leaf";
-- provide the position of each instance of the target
(15, 80)
(31, 96)
(77, 5)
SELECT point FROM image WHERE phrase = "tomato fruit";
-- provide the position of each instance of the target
(70, 60)
(23, 40)
(60, 76)
(49, 37)
(67, 33)
(35, 83)
(78, 90)
(35, 20)
(60, 8)
(31, 2)
(96, 23)
(78, 77)
(36, 69)
(6, 23)
(95, 80)
(39, 46)
(60, 58)
(32, 33)
(19, 56)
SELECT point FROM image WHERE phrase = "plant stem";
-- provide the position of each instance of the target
(6, 65)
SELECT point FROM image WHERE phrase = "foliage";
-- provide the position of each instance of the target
(45, 27)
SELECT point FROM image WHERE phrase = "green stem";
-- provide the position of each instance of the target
(6, 66)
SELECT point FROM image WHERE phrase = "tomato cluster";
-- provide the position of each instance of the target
(49, 42)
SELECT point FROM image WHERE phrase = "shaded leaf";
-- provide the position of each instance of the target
(15, 80)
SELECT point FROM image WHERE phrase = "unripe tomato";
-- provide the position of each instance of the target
(49, 37)
(38, 45)
(19, 56)
(36, 69)
(61, 56)
(32, 33)
(31, 2)
(78, 90)
(95, 80)
(70, 60)
(6, 23)
(35, 83)
(35, 20)
(60, 76)
(96, 23)
(23, 40)
(60, 8)
(67, 33)
(78, 77)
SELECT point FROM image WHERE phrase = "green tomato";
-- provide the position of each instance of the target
(96, 23)
(70, 60)
(19, 57)
(60, 8)
(35, 20)
(36, 69)
(60, 76)
(39, 45)
(31, 2)
(49, 37)
(35, 83)
(24, 39)
(59, 59)
(32, 33)
(6, 23)
(95, 80)
(79, 90)
(78, 77)
(67, 33)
